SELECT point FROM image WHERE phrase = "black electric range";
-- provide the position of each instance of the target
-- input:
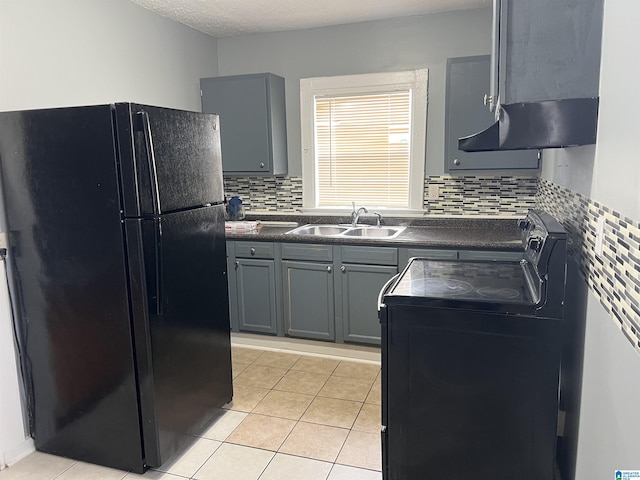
(470, 362)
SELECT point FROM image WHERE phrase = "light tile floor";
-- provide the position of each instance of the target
(293, 417)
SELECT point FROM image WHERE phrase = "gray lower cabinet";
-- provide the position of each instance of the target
(308, 291)
(253, 295)
(359, 294)
(363, 271)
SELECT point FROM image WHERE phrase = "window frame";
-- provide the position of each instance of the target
(416, 80)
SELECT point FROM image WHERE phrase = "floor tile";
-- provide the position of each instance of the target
(245, 355)
(88, 471)
(364, 371)
(246, 398)
(153, 475)
(222, 427)
(259, 376)
(187, 462)
(235, 462)
(302, 382)
(342, 472)
(375, 394)
(369, 419)
(316, 365)
(238, 368)
(37, 466)
(277, 359)
(319, 442)
(287, 467)
(332, 411)
(261, 431)
(284, 404)
(346, 388)
(362, 450)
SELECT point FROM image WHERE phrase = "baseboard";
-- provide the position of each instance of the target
(17, 453)
(356, 353)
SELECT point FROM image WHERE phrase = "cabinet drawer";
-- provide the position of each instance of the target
(304, 251)
(489, 255)
(254, 250)
(370, 255)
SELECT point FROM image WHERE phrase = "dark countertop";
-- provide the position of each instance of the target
(453, 233)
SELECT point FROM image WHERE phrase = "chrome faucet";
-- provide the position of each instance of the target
(378, 218)
(355, 215)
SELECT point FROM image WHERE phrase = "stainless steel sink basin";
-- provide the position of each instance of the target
(374, 232)
(319, 230)
(347, 231)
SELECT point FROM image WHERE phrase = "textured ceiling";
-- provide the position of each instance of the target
(226, 18)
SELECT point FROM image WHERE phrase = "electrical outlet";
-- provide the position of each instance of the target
(599, 236)
(434, 192)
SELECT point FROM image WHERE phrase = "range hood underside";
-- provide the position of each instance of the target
(538, 125)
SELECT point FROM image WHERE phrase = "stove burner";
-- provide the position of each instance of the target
(498, 293)
(445, 287)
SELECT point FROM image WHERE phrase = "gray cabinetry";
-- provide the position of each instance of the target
(252, 122)
(253, 291)
(308, 291)
(467, 82)
(363, 272)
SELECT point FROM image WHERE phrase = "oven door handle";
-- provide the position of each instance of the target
(386, 287)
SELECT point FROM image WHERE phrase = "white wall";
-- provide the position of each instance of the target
(609, 174)
(381, 46)
(82, 52)
(57, 53)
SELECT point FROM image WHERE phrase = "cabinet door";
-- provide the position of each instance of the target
(308, 299)
(467, 83)
(256, 295)
(359, 292)
(252, 122)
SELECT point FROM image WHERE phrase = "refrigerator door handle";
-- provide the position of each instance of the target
(157, 296)
(151, 158)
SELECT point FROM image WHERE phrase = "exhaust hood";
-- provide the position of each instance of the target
(538, 125)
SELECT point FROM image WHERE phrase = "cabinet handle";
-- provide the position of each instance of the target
(343, 269)
(329, 268)
(237, 263)
(261, 165)
(253, 251)
(488, 99)
(456, 161)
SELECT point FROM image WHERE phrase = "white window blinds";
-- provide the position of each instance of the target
(362, 149)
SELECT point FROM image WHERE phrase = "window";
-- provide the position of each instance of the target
(363, 140)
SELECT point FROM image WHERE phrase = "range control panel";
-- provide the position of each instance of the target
(542, 239)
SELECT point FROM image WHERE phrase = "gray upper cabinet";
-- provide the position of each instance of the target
(252, 122)
(467, 82)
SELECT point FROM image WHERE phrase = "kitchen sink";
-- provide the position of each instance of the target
(321, 230)
(374, 232)
(347, 231)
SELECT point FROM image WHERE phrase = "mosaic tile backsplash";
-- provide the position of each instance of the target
(613, 276)
(459, 195)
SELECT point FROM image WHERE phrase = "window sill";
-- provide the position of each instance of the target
(385, 212)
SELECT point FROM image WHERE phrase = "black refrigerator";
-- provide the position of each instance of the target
(117, 261)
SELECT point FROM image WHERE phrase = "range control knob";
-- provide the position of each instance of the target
(535, 244)
(523, 223)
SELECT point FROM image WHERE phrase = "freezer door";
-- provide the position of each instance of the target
(69, 283)
(181, 323)
(170, 159)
